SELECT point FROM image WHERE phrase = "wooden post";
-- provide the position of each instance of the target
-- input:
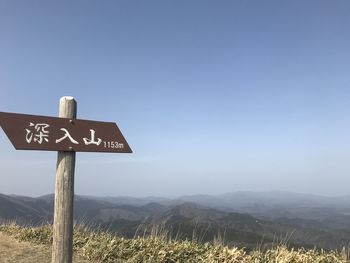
(62, 246)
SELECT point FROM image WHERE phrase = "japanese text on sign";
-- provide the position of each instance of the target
(38, 133)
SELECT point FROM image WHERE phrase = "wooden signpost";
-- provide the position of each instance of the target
(66, 135)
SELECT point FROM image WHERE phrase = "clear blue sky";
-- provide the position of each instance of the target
(212, 96)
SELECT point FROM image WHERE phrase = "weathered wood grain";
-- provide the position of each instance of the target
(64, 194)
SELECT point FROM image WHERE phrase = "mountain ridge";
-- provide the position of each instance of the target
(243, 218)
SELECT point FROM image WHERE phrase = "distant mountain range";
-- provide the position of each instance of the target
(244, 219)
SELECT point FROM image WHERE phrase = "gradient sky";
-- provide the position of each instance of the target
(212, 96)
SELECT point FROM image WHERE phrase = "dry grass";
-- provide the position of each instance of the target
(103, 247)
(14, 251)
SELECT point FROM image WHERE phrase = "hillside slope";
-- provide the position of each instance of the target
(104, 247)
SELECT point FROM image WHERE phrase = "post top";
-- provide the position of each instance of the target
(67, 98)
(68, 107)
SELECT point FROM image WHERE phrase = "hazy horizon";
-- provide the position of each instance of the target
(189, 195)
(213, 97)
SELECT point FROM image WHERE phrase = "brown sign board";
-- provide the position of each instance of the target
(32, 132)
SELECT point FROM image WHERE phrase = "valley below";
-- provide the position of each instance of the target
(241, 219)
